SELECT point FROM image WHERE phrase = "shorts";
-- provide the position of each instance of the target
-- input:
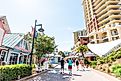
(77, 64)
(62, 67)
(70, 67)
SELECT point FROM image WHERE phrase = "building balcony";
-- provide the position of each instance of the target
(115, 37)
(92, 41)
(102, 17)
(102, 13)
(101, 8)
(109, 11)
(104, 21)
(96, 41)
(105, 37)
(102, 2)
(114, 34)
(115, 16)
(107, 7)
(97, 2)
(113, 6)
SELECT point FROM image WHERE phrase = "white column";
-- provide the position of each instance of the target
(100, 37)
(18, 58)
(119, 31)
(6, 54)
(8, 58)
(95, 38)
(109, 35)
(22, 58)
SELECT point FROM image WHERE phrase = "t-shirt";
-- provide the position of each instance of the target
(62, 62)
(70, 62)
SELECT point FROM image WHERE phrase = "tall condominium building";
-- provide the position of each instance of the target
(80, 38)
(79, 33)
(103, 20)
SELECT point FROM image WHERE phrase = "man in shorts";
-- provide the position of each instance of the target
(62, 65)
(77, 64)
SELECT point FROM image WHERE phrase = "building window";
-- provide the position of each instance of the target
(115, 38)
(25, 59)
(85, 39)
(114, 32)
(119, 23)
(13, 59)
(3, 55)
(105, 40)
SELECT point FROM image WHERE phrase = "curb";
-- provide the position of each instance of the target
(34, 75)
(109, 77)
(31, 76)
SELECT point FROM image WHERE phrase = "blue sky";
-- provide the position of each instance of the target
(59, 18)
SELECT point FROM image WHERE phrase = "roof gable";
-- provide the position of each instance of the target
(11, 40)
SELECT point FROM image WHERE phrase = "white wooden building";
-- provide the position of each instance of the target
(16, 49)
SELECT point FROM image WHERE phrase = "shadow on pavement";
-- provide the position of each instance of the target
(71, 75)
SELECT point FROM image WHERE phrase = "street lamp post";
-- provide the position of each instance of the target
(41, 30)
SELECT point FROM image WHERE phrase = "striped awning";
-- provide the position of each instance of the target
(10, 40)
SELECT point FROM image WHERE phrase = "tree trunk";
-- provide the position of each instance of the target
(82, 54)
(39, 61)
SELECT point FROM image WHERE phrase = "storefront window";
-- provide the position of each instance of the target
(20, 60)
(3, 55)
(25, 59)
(13, 59)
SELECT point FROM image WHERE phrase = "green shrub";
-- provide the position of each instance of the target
(93, 66)
(115, 67)
(117, 72)
(11, 72)
(93, 62)
(33, 65)
(101, 61)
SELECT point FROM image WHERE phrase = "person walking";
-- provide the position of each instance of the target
(70, 66)
(74, 61)
(62, 65)
(46, 64)
(86, 62)
(77, 64)
(82, 64)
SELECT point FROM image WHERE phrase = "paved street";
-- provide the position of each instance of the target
(52, 75)
(87, 75)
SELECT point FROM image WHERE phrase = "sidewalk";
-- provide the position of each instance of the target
(90, 75)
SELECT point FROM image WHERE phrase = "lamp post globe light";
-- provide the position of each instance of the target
(40, 30)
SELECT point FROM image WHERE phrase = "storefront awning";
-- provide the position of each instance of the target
(103, 49)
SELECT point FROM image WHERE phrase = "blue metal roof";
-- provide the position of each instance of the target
(12, 39)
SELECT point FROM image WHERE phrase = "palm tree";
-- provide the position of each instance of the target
(62, 54)
(82, 49)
